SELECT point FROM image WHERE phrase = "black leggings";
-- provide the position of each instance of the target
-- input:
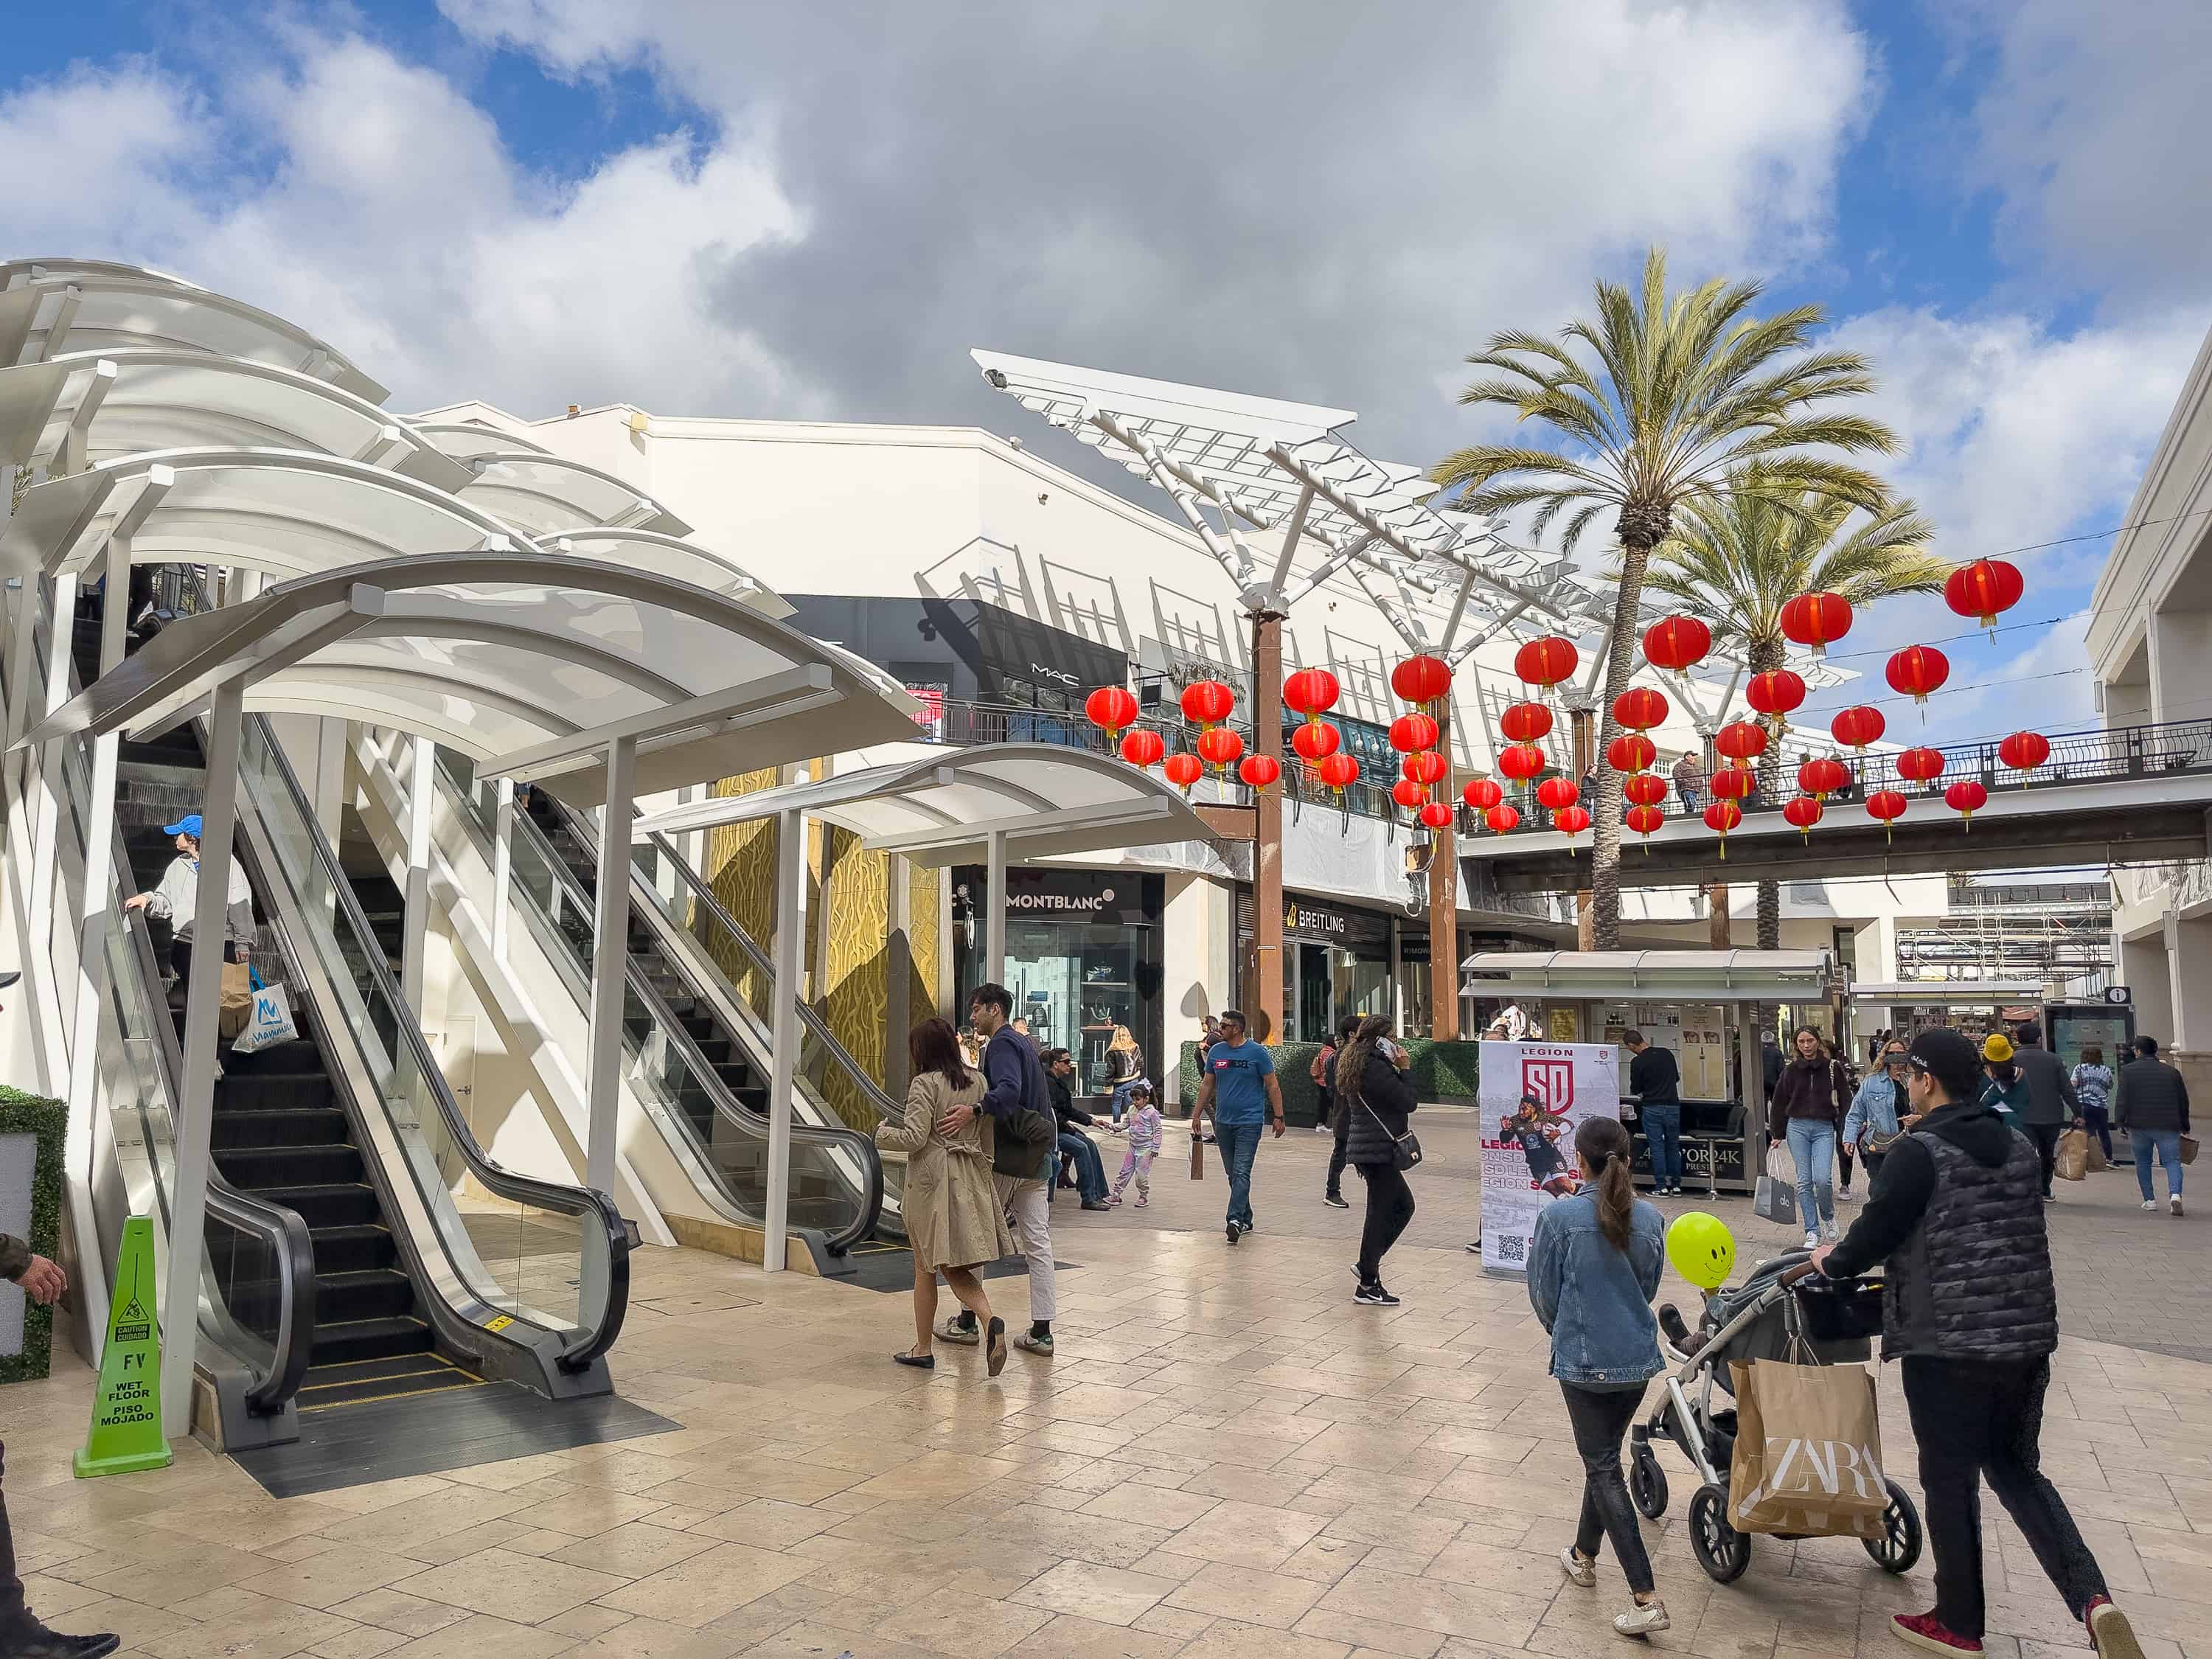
(1340, 1120)
(1389, 1207)
(1601, 1419)
(180, 958)
(1843, 1164)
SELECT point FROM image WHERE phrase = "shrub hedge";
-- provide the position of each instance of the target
(46, 1121)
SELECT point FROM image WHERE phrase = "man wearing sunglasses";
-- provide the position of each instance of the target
(1955, 1220)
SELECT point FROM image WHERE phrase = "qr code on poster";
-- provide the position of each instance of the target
(1512, 1248)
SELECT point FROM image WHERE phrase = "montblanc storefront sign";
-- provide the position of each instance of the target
(1092, 902)
(1076, 896)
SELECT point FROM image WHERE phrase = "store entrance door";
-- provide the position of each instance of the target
(1314, 990)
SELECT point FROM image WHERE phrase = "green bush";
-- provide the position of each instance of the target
(45, 1120)
(1441, 1072)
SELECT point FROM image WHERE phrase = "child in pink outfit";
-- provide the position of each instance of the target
(1144, 1124)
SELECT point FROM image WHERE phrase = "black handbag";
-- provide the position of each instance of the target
(1405, 1149)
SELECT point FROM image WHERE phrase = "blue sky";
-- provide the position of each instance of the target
(757, 210)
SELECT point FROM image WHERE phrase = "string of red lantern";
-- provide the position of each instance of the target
(1982, 589)
(1217, 745)
(1967, 797)
(1889, 806)
(1524, 722)
(1316, 742)
(1310, 693)
(1815, 619)
(1482, 795)
(1339, 772)
(1260, 771)
(1556, 795)
(1821, 776)
(1733, 783)
(1435, 815)
(1422, 679)
(1520, 761)
(1207, 702)
(1505, 817)
(1646, 821)
(1740, 740)
(1857, 727)
(1142, 747)
(1409, 794)
(1639, 708)
(1182, 771)
(1547, 661)
(1570, 821)
(1920, 765)
(1412, 732)
(1677, 642)
(1632, 752)
(2024, 751)
(1644, 789)
(1424, 766)
(1917, 672)
(1802, 812)
(1721, 816)
(1774, 694)
(1110, 708)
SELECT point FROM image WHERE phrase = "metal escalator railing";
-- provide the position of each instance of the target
(836, 1173)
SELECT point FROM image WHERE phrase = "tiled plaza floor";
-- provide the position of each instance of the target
(1227, 1458)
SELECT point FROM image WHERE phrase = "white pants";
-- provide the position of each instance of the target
(1032, 1236)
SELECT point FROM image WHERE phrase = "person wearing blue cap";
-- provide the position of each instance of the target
(177, 900)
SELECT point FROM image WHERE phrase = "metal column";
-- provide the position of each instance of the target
(610, 966)
(1263, 1001)
(414, 924)
(1443, 899)
(790, 879)
(46, 824)
(502, 864)
(994, 910)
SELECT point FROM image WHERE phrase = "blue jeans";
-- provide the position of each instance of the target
(2167, 1144)
(1813, 1150)
(1121, 1098)
(1662, 1127)
(1089, 1168)
(1238, 1143)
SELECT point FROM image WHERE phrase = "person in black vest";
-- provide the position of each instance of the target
(1970, 1310)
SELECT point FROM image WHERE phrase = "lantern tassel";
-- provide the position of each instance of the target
(1723, 849)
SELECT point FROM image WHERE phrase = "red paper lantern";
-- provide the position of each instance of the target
(1339, 772)
(1821, 777)
(1524, 722)
(1570, 821)
(1920, 765)
(1639, 708)
(2024, 751)
(1520, 761)
(1858, 725)
(1733, 783)
(1801, 813)
(1421, 679)
(1110, 708)
(1409, 794)
(1182, 771)
(1721, 816)
(1632, 752)
(1677, 642)
(1141, 746)
(1412, 732)
(1259, 771)
(1982, 589)
(1645, 789)
(1208, 703)
(1218, 745)
(1311, 692)
(1967, 797)
(1889, 806)
(1556, 794)
(1740, 740)
(1646, 821)
(1503, 817)
(1775, 692)
(1482, 795)
(1546, 661)
(1815, 619)
(1424, 766)
(1436, 816)
(1919, 671)
(1316, 742)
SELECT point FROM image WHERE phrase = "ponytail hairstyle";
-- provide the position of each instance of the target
(1603, 1145)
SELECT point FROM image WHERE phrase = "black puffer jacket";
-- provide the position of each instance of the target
(2150, 1095)
(1378, 1116)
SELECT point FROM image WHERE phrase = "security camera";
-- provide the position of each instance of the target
(1044, 495)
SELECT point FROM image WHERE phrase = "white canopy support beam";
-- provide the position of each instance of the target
(994, 905)
(609, 964)
(415, 917)
(783, 1030)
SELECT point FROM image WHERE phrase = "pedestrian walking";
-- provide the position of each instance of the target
(1878, 1110)
(2004, 1090)
(1339, 1123)
(1376, 1100)
(1241, 1093)
(2150, 1100)
(1970, 1316)
(176, 900)
(1125, 1067)
(1593, 1269)
(1144, 1145)
(2093, 1087)
(1771, 1059)
(1689, 779)
(1324, 1089)
(1655, 1084)
(2051, 1102)
(1014, 1089)
(1808, 1109)
(954, 1221)
(1070, 1121)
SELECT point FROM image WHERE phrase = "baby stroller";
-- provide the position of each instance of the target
(1780, 1310)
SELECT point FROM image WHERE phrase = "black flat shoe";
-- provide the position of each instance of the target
(994, 1347)
(920, 1362)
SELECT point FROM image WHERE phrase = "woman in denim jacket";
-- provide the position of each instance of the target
(1592, 1270)
(1873, 1109)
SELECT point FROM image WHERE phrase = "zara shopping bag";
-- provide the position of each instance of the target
(1808, 1451)
(269, 1021)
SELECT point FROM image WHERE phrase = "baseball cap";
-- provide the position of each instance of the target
(1948, 1058)
(187, 825)
(1996, 1048)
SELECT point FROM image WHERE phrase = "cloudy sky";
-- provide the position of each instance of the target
(734, 207)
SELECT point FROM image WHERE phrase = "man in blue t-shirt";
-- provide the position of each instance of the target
(1241, 1091)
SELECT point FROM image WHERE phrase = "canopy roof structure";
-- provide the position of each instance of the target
(943, 809)
(285, 512)
(85, 407)
(1948, 992)
(465, 440)
(531, 664)
(545, 495)
(49, 308)
(671, 557)
(1651, 976)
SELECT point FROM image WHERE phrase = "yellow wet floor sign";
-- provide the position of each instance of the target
(126, 1412)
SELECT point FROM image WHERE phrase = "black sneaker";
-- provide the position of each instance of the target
(1374, 1296)
(1335, 1201)
(1233, 1233)
(1474, 1245)
(52, 1644)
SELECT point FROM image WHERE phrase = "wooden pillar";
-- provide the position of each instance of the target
(1583, 723)
(1263, 998)
(1443, 900)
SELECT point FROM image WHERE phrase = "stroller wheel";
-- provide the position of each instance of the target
(1898, 1546)
(1647, 1482)
(1721, 1550)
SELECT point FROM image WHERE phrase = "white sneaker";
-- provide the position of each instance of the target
(2150, 1204)
(1812, 1239)
(1845, 1195)
(1828, 1234)
(1646, 1620)
(2174, 1203)
(1578, 1571)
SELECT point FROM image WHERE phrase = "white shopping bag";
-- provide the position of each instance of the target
(269, 1023)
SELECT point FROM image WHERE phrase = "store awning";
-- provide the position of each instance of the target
(1648, 975)
(1949, 993)
(943, 808)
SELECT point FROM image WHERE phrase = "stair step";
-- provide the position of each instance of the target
(335, 1343)
(234, 1130)
(246, 1092)
(326, 1205)
(353, 1248)
(361, 1294)
(257, 1168)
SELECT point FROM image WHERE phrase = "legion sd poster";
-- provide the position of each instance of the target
(1533, 1095)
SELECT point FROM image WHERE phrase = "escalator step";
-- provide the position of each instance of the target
(368, 1293)
(354, 1247)
(330, 1206)
(235, 1129)
(359, 1382)
(370, 1339)
(244, 1093)
(298, 1058)
(256, 1169)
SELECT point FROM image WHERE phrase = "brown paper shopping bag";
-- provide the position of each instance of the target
(2071, 1162)
(1808, 1451)
(237, 1006)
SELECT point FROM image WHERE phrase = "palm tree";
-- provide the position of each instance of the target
(1737, 560)
(1661, 402)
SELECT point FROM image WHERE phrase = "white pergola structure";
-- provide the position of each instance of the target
(987, 805)
(1243, 469)
(593, 681)
(544, 494)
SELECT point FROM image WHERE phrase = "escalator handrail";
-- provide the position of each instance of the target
(496, 1178)
(726, 1103)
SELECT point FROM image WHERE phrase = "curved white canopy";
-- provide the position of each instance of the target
(530, 663)
(1044, 798)
(127, 402)
(283, 511)
(671, 557)
(548, 495)
(464, 440)
(48, 308)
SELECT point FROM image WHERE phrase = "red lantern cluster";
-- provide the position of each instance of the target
(1918, 671)
(1556, 794)
(1547, 661)
(1677, 642)
(1409, 794)
(1815, 619)
(1503, 817)
(1982, 589)
(1733, 783)
(1645, 789)
(1721, 816)
(1436, 816)
(1570, 821)
(1857, 727)
(1639, 708)
(1646, 822)
(1207, 702)
(1110, 708)
(1632, 752)
(1422, 679)
(1338, 771)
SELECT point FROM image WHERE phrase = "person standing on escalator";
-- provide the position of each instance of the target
(176, 900)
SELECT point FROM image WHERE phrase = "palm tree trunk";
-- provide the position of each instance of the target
(1621, 662)
(1764, 658)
